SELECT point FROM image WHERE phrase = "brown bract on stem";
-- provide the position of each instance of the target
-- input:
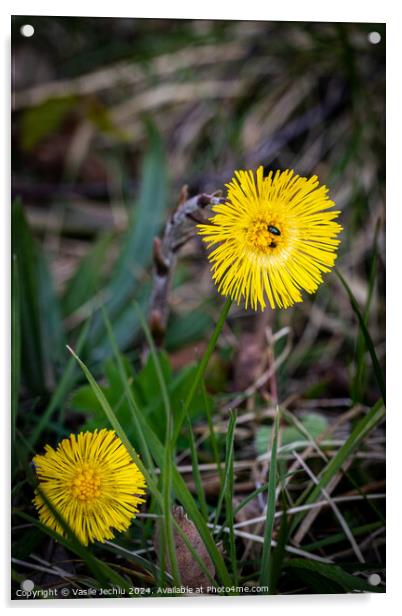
(178, 231)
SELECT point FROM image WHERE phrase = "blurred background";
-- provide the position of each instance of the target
(111, 117)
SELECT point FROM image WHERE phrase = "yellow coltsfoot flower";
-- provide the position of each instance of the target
(92, 482)
(274, 237)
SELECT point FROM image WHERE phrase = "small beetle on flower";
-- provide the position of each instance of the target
(273, 237)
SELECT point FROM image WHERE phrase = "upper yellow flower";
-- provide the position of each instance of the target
(92, 482)
(274, 238)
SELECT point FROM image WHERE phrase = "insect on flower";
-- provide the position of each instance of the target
(273, 237)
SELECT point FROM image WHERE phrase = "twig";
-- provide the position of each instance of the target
(259, 539)
(178, 231)
(334, 508)
(316, 505)
(55, 571)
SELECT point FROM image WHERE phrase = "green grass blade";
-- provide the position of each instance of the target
(32, 356)
(270, 514)
(61, 392)
(102, 572)
(340, 537)
(181, 490)
(134, 408)
(279, 552)
(228, 458)
(15, 347)
(127, 278)
(369, 343)
(229, 493)
(201, 368)
(191, 507)
(196, 474)
(358, 381)
(166, 470)
(133, 557)
(212, 435)
(114, 422)
(361, 430)
(335, 573)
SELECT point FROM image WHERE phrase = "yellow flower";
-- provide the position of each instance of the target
(274, 237)
(91, 480)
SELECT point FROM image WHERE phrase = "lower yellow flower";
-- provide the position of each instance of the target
(274, 238)
(91, 480)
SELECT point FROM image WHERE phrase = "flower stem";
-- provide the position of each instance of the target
(201, 368)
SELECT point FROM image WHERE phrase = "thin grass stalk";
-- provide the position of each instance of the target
(365, 425)
(16, 347)
(228, 455)
(271, 499)
(369, 342)
(103, 573)
(168, 461)
(197, 475)
(62, 390)
(358, 381)
(114, 422)
(229, 493)
(182, 492)
(213, 439)
(135, 410)
(201, 368)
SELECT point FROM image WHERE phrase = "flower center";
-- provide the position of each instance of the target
(86, 485)
(264, 236)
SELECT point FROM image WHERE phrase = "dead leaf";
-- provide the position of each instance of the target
(190, 571)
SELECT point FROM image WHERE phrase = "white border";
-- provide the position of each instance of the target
(307, 10)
